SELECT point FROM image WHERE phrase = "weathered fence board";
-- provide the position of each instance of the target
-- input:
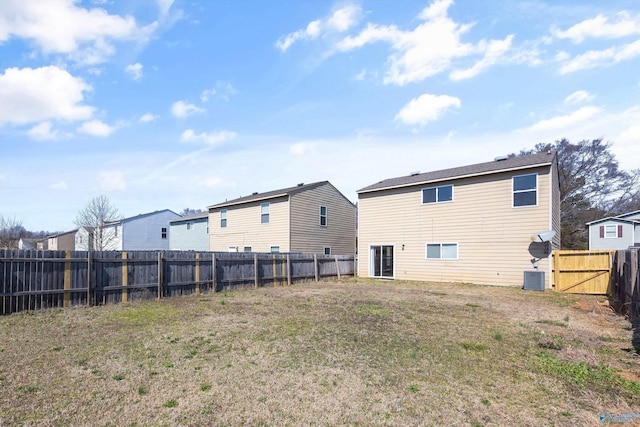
(582, 272)
(34, 280)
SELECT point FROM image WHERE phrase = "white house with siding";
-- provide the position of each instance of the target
(618, 232)
(190, 232)
(84, 239)
(149, 231)
(307, 218)
(466, 224)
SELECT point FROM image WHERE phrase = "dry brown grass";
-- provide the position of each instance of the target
(357, 352)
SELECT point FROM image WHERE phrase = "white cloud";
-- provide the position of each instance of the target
(164, 6)
(63, 27)
(426, 108)
(622, 24)
(632, 132)
(217, 182)
(602, 58)
(182, 109)
(301, 148)
(43, 132)
(210, 138)
(30, 95)
(416, 56)
(134, 70)
(61, 185)
(578, 97)
(565, 121)
(206, 94)
(148, 118)
(493, 52)
(96, 128)
(340, 21)
(112, 180)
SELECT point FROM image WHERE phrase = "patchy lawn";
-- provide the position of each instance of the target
(355, 352)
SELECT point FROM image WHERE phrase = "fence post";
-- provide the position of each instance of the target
(197, 273)
(275, 270)
(214, 276)
(288, 269)
(67, 281)
(337, 266)
(315, 266)
(159, 275)
(89, 302)
(255, 270)
(125, 278)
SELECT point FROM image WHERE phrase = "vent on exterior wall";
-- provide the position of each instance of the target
(534, 280)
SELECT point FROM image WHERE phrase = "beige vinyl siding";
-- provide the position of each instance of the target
(245, 229)
(307, 235)
(492, 236)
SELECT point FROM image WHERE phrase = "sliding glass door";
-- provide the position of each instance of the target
(381, 261)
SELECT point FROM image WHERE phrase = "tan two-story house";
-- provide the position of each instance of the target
(474, 224)
(307, 218)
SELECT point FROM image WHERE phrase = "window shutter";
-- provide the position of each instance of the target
(619, 231)
(602, 231)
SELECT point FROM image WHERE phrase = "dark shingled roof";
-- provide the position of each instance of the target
(197, 215)
(269, 194)
(512, 163)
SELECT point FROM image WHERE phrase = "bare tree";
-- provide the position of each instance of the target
(189, 211)
(98, 212)
(592, 186)
(11, 230)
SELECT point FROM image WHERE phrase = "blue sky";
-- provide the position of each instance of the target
(174, 104)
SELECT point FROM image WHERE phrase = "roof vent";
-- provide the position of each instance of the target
(414, 173)
(254, 193)
(301, 184)
(500, 158)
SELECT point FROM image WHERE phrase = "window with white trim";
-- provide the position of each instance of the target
(441, 251)
(442, 193)
(264, 213)
(323, 216)
(525, 190)
(275, 249)
(611, 231)
(247, 248)
(327, 250)
(163, 232)
(223, 218)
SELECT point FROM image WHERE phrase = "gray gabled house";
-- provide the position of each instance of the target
(617, 232)
(144, 232)
(190, 232)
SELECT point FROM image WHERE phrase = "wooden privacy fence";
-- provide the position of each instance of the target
(625, 284)
(582, 272)
(34, 280)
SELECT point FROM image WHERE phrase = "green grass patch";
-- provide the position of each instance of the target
(552, 322)
(170, 403)
(599, 379)
(473, 346)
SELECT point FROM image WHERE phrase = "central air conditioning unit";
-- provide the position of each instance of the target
(534, 280)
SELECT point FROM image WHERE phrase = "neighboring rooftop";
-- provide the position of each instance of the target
(269, 194)
(500, 164)
(139, 216)
(197, 215)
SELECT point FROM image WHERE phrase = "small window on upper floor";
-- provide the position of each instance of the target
(327, 250)
(164, 233)
(189, 225)
(223, 218)
(525, 190)
(323, 216)
(264, 213)
(443, 193)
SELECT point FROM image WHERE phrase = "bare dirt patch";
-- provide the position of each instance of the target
(355, 352)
